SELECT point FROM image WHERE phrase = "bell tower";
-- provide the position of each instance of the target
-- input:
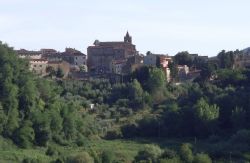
(128, 38)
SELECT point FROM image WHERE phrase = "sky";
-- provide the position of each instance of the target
(160, 26)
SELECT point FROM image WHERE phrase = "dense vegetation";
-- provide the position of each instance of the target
(192, 122)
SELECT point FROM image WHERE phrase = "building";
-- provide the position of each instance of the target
(163, 60)
(102, 54)
(38, 66)
(75, 58)
(183, 71)
(242, 61)
(117, 66)
(47, 52)
(63, 65)
(23, 53)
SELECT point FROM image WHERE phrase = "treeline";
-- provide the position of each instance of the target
(34, 111)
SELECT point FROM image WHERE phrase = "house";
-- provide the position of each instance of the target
(75, 58)
(63, 65)
(117, 66)
(163, 60)
(23, 53)
(38, 66)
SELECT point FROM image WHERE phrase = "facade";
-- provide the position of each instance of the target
(75, 58)
(183, 71)
(242, 61)
(133, 63)
(40, 60)
(38, 66)
(151, 60)
(102, 54)
(64, 66)
(117, 66)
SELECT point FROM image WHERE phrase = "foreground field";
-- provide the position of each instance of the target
(124, 150)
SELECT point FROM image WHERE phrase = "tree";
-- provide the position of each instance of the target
(28, 95)
(173, 71)
(142, 75)
(156, 80)
(206, 117)
(82, 157)
(206, 112)
(108, 156)
(136, 94)
(51, 71)
(202, 158)
(69, 127)
(59, 73)
(207, 70)
(186, 153)
(3, 119)
(41, 126)
(150, 153)
(25, 135)
(226, 59)
(183, 58)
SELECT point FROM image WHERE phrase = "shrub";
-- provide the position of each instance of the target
(169, 154)
(59, 140)
(83, 157)
(51, 151)
(202, 158)
(149, 153)
(242, 136)
(186, 153)
(108, 156)
(25, 135)
(113, 134)
(31, 160)
(172, 160)
(82, 141)
(59, 160)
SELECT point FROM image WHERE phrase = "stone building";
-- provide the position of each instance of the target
(64, 66)
(23, 53)
(117, 66)
(38, 66)
(102, 54)
(75, 58)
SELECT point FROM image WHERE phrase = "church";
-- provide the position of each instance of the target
(102, 54)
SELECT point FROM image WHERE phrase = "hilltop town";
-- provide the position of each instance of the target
(114, 60)
(111, 60)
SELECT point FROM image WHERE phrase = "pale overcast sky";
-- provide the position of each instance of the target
(160, 26)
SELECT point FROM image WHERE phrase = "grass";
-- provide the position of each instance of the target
(125, 150)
